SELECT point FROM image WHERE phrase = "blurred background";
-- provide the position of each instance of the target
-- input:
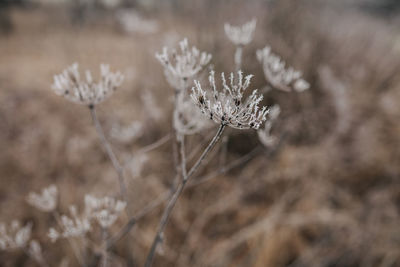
(327, 195)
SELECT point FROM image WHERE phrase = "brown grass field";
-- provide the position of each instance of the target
(327, 195)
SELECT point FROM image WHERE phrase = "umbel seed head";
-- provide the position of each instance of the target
(85, 91)
(228, 107)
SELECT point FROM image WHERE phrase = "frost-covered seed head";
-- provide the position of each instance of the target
(104, 210)
(183, 64)
(227, 107)
(85, 91)
(46, 201)
(14, 236)
(241, 35)
(279, 76)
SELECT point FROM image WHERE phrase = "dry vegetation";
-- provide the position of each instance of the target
(327, 195)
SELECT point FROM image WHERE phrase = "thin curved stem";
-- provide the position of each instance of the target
(117, 166)
(171, 204)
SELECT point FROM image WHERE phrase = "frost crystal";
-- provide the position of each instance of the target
(182, 65)
(241, 35)
(227, 107)
(75, 226)
(15, 236)
(86, 92)
(104, 210)
(46, 201)
(278, 75)
(264, 134)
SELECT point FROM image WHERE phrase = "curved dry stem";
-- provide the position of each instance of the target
(175, 196)
(117, 166)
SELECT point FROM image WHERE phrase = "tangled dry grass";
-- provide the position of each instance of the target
(328, 194)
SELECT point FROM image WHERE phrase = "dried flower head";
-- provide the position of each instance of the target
(241, 35)
(15, 236)
(75, 226)
(265, 136)
(46, 201)
(87, 92)
(227, 107)
(35, 251)
(278, 75)
(104, 210)
(187, 118)
(182, 65)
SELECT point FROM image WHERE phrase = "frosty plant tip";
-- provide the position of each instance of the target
(46, 201)
(241, 35)
(86, 91)
(182, 64)
(281, 77)
(227, 107)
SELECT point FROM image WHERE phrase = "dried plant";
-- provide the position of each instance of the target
(86, 92)
(278, 75)
(227, 107)
(15, 235)
(264, 134)
(46, 201)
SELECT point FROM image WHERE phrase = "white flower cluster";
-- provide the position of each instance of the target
(46, 201)
(75, 226)
(87, 92)
(15, 236)
(182, 65)
(104, 210)
(278, 75)
(241, 35)
(265, 136)
(227, 107)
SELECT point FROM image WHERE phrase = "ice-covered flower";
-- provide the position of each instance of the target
(86, 91)
(227, 107)
(35, 251)
(45, 201)
(278, 75)
(15, 235)
(264, 134)
(104, 210)
(183, 64)
(75, 225)
(241, 35)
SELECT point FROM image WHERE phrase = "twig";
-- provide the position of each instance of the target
(110, 153)
(175, 196)
(154, 145)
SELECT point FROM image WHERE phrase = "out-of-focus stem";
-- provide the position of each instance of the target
(110, 152)
(171, 204)
(238, 57)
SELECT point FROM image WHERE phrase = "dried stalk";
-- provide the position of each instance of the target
(117, 166)
(175, 196)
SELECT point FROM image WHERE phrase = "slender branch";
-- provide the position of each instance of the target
(154, 145)
(110, 152)
(181, 140)
(238, 57)
(175, 196)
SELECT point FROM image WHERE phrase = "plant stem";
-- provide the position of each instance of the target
(238, 57)
(110, 152)
(171, 204)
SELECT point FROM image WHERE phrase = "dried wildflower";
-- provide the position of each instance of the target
(46, 201)
(278, 75)
(87, 92)
(15, 236)
(187, 117)
(104, 210)
(182, 65)
(264, 134)
(75, 226)
(241, 35)
(227, 107)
